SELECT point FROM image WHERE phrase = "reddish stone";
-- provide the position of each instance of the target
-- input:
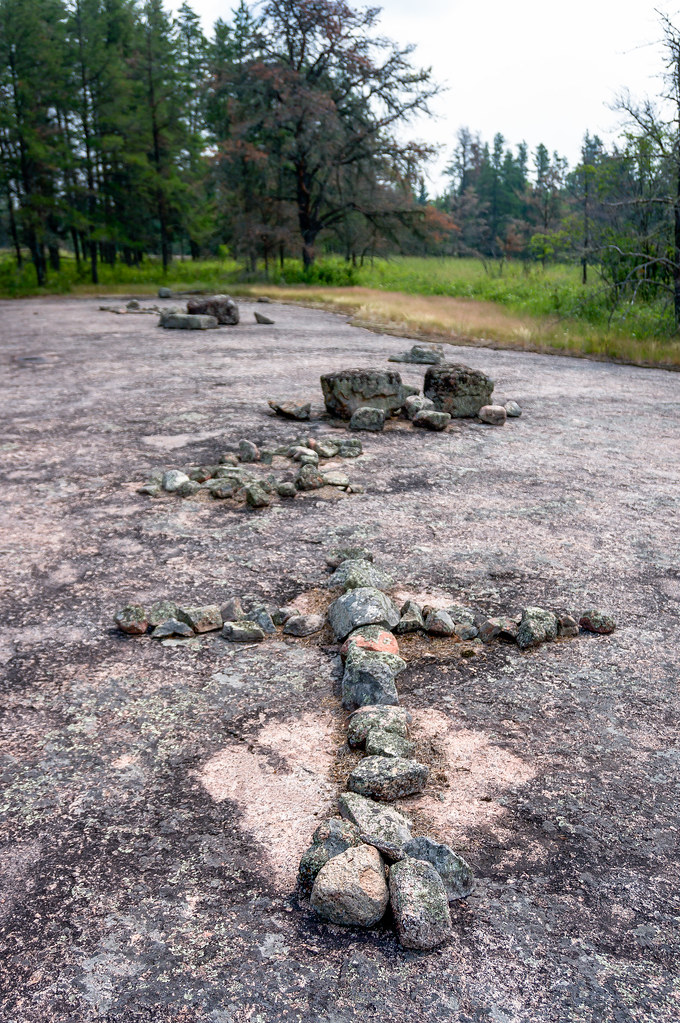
(384, 643)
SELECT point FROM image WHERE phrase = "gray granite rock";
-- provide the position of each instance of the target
(257, 496)
(347, 390)
(456, 874)
(262, 319)
(512, 409)
(419, 904)
(431, 419)
(362, 606)
(380, 743)
(248, 452)
(304, 455)
(567, 626)
(261, 616)
(372, 818)
(173, 480)
(221, 489)
(417, 403)
(337, 557)
(332, 837)
(439, 623)
(537, 626)
(502, 628)
(457, 389)
(229, 458)
(287, 489)
(598, 621)
(201, 619)
(243, 631)
(132, 619)
(350, 447)
(388, 778)
(291, 409)
(386, 719)
(150, 489)
(494, 415)
(411, 619)
(366, 418)
(232, 610)
(354, 573)
(202, 473)
(351, 889)
(309, 478)
(304, 625)
(161, 611)
(371, 637)
(368, 680)
(171, 627)
(222, 307)
(172, 320)
(336, 478)
(326, 447)
(188, 489)
(423, 355)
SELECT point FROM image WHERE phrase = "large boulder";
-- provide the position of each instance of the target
(349, 389)
(364, 605)
(457, 389)
(351, 889)
(222, 307)
(419, 903)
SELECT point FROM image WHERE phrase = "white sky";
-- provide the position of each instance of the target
(534, 70)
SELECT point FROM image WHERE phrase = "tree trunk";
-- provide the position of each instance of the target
(76, 247)
(55, 260)
(13, 230)
(676, 243)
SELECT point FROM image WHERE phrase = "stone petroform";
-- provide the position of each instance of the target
(456, 874)
(597, 621)
(537, 626)
(388, 778)
(222, 307)
(419, 903)
(387, 719)
(372, 818)
(331, 838)
(347, 390)
(351, 889)
(362, 606)
(457, 389)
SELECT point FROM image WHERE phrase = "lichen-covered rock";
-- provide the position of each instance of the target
(352, 574)
(536, 626)
(220, 489)
(201, 619)
(304, 625)
(419, 903)
(456, 874)
(371, 818)
(347, 390)
(380, 743)
(369, 680)
(420, 355)
(566, 625)
(172, 627)
(336, 558)
(512, 409)
(301, 453)
(502, 628)
(351, 889)
(325, 447)
(132, 619)
(202, 473)
(257, 496)
(336, 478)
(243, 632)
(309, 478)
(598, 621)
(366, 418)
(173, 480)
(411, 619)
(222, 307)
(388, 778)
(172, 320)
(457, 389)
(431, 419)
(188, 489)
(261, 616)
(331, 838)
(248, 452)
(287, 489)
(162, 611)
(150, 489)
(387, 719)
(350, 447)
(416, 403)
(494, 415)
(440, 623)
(371, 637)
(363, 606)
(291, 409)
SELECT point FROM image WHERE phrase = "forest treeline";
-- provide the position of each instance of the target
(126, 133)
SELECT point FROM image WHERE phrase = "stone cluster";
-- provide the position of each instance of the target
(239, 476)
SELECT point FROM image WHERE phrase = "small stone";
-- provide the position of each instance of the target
(537, 626)
(259, 318)
(387, 719)
(512, 409)
(304, 625)
(417, 403)
(362, 606)
(165, 293)
(421, 355)
(261, 616)
(431, 419)
(172, 320)
(291, 409)
(133, 304)
(465, 631)
(287, 490)
(440, 623)
(350, 888)
(220, 489)
(309, 478)
(380, 743)
(248, 452)
(456, 874)
(303, 454)
(243, 631)
(388, 778)
(331, 838)
(411, 619)
(162, 611)
(256, 496)
(419, 903)
(566, 625)
(335, 478)
(352, 574)
(348, 554)
(461, 615)
(173, 480)
(351, 447)
(494, 415)
(150, 489)
(598, 621)
(263, 298)
(371, 637)
(188, 489)
(373, 818)
(326, 448)
(499, 628)
(202, 474)
(172, 627)
(201, 619)
(367, 418)
(132, 619)
(233, 611)
(229, 458)
(369, 679)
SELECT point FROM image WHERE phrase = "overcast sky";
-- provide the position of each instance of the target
(535, 71)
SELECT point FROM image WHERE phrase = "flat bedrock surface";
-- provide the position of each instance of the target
(156, 800)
